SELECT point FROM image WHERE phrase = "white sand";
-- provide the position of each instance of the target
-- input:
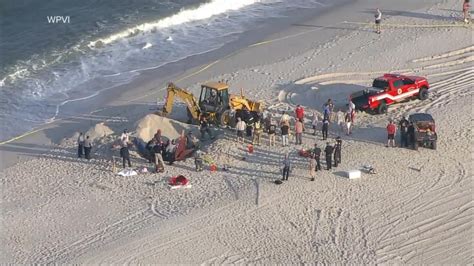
(418, 209)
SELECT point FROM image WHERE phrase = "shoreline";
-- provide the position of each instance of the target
(147, 80)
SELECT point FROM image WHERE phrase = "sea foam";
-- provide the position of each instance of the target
(204, 11)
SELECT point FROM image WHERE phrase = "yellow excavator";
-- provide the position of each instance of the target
(215, 102)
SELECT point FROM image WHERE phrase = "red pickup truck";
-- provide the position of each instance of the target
(389, 89)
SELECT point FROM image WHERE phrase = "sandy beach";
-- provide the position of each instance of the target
(417, 209)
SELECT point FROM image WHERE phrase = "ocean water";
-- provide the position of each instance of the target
(101, 44)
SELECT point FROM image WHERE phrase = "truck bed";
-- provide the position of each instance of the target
(361, 98)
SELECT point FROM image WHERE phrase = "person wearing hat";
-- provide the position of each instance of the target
(403, 132)
(337, 151)
(328, 151)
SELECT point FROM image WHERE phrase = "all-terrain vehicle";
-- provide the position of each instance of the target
(425, 130)
(389, 89)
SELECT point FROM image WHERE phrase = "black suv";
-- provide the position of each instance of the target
(425, 130)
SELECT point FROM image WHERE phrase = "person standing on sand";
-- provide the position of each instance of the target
(340, 120)
(286, 167)
(328, 151)
(325, 128)
(285, 131)
(285, 118)
(80, 145)
(268, 121)
(198, 161)
(158, 149)
(257, 132)
(378, 21)
(391, 131)
(312, 167)
(403, 132)
(317, 157)
(326, 112)
(299, 127)
(337, 151)
(124, 136)
(124, 153)
(240, 126)
(271, 133)
(314, 123)
(299, 112)
(411, 135)
(87, 148)
(205, 128)
(465, 12)
(348, 121)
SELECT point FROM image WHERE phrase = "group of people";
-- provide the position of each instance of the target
(407, 133)
(255, 128)
(161, 150)
(344, 121)
(84, 146)
(332, 153)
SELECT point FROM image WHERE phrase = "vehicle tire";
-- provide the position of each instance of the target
(225, 118)
(423, 94)
(382, 108)
(433, 145)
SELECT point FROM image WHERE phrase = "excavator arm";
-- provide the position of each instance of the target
(186, 96)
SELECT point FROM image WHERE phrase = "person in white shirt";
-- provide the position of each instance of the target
(340, 120)
(240, 126)
(378, 20)
(124, 137)
(285, 119)
(314, 122)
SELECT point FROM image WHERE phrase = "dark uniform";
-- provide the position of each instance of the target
(329, 150)
(337, 151)
(205, 128)
(125, 156)
(411, 135)
(325, 128)
(87, 148)
(317, 156)
(403, 132)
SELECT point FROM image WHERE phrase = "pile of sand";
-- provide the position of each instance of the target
(148, 125)
(99, 131)
(95, 133)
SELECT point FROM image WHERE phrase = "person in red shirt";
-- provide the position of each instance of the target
(391, 130)
(299, 111)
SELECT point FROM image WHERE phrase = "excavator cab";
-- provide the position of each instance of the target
(214, 98)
